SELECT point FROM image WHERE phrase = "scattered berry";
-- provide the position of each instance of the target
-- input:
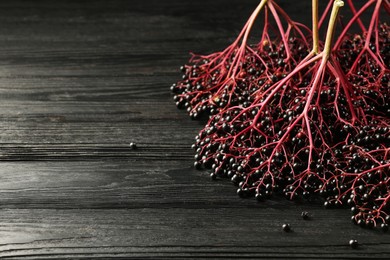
(286, 227)
(353, 243)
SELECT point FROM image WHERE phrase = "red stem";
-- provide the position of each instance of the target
(353, 9)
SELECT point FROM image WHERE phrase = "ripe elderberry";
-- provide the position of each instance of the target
(286, 227)
(353, 243)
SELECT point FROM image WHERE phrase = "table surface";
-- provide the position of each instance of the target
(79, 81)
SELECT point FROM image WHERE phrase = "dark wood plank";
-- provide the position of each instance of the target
(176, 233)
(79, 81)
(71, 209)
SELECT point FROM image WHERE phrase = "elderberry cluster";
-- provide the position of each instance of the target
(305, 128)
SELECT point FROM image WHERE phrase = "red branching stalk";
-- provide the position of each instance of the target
(371, 35)
(317, 65)
(353, 9)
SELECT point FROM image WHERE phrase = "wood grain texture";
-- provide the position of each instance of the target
(79, 81)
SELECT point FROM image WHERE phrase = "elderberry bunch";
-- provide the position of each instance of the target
(304, 124)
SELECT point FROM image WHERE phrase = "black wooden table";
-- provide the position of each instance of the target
(79, 81)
